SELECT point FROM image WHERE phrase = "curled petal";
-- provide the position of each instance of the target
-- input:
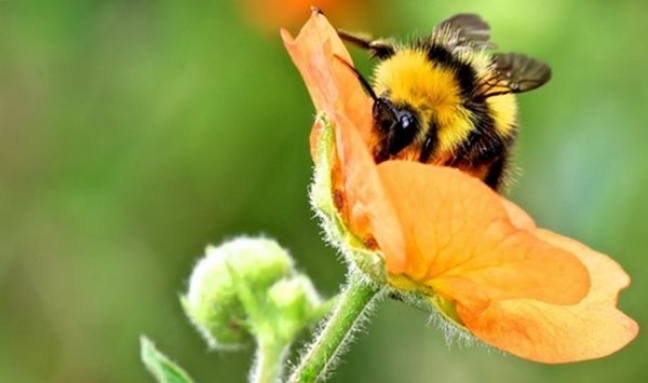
(548, 333)
(364, 205)
(518, 217)
(317, 52)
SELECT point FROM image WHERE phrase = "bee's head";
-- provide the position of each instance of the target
(399, 125)
(396, 125)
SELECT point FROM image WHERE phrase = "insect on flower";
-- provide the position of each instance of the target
(442, 233)
(444, 100)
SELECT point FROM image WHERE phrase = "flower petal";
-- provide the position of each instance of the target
(548, 333)
(364, 207)
(460, 241)
(331, 84)
(518, 217)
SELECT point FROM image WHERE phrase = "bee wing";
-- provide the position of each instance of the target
(466, 29)
(520, 73)
(378, 48)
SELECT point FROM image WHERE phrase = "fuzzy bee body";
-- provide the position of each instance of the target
(446, 100)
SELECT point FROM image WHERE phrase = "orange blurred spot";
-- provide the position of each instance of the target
(273, 14)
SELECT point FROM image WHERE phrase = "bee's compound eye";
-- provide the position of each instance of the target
(405, 131)
(406, 121)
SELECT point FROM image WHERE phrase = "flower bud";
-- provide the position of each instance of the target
(212, 302)
(295, 302)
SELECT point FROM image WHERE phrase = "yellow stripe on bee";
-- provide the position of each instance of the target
(504, 112)
(434, 92)
(503, 109)
(412, 79)
(430, 89)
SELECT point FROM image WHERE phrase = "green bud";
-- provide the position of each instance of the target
(294, 302)
(212, 302)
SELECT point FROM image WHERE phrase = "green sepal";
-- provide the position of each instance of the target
(161, 367)
(359, 256)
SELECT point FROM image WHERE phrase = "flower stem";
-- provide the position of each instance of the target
(349, 311)
(269, 360)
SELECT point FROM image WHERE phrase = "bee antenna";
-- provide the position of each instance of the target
(363, 81)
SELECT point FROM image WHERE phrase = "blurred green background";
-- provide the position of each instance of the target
(133, 133)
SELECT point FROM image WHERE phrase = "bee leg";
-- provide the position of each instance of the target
(496, 173)
(379, 49)
(428, 146)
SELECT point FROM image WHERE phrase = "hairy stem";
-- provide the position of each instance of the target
(269, 361)
(351, 306)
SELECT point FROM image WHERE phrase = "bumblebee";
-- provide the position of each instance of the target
(446, 100)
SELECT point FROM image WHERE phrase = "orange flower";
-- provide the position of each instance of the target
(444, 234)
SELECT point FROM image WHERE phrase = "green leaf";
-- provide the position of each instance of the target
(164, 370)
